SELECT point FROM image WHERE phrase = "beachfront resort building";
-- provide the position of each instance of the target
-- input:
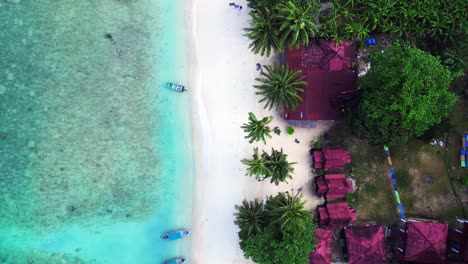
(323, 250)
(335, 214)
(365, 244)
(420, 242)
(333, 186)
(331, 80)
(331, 158)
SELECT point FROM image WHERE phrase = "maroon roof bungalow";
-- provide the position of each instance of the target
(323, 250)
(425, 243)
(335, 214)
(457, 243)
(366, 244)
(332, 158)
(328, 70)
(333, 186)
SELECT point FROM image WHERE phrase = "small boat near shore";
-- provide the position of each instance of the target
(176, 234)
(175, 261)
(176, 87)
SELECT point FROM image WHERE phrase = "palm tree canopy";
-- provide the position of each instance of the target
(281, 87)
(279, 167)
(296, 25)
(262, 32)
(257, 165)
(250, 218)
(257, 129)
(288, 211)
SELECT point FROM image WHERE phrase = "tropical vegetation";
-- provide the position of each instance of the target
(280, 87)
(274, 166)
(296, 26)
(276, 24)
(257, 129)
(281, 231)
(263, 33)
(405, 92)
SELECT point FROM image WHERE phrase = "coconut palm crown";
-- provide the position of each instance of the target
(262, 32)
(296, 25)
(257, 129)
(280, 87)
(279, 167)
(257, 166)
(288, 212)
(250, 218)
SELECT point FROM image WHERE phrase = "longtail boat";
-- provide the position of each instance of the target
(175, 261)
(176, 234)
(176, 87)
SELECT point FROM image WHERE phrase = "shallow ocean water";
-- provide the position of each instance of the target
(95, 151)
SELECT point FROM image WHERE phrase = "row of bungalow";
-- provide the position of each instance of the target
(329, 71)
(333, 186)
(413, 242)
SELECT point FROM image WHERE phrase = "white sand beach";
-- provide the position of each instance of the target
(222, 75)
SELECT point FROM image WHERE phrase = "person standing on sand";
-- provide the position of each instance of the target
(259, 67)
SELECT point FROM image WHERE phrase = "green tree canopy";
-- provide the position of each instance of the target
(273, 244)
(250, 218)
(281, 87)
(405, 92)
(257, 129)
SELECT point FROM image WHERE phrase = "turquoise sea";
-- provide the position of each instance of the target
(95, 154)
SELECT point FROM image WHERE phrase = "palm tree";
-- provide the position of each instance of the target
(278, 166)
(256, 166)
(295, 24)
(280, 87)
(250, 218)
(262, 32)
(288, 211)
(257, 129)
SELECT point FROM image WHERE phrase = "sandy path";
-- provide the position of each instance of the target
(223, 72)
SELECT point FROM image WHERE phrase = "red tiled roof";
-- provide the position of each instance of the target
(328, 70)
(366, 244)
(322, 187)
(426, 242)
(338, 186)
(335, 214)
(323, 251)
(330, 158)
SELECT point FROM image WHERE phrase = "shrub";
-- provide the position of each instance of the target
(290, 130)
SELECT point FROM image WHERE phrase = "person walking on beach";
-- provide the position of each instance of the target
(240, 8)
(259, 67)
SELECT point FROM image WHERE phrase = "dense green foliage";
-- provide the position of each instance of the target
(280, 87)
(405, 92)
(284, 230)
(438, 21)
(274, 166)
(250, 218)
(276, 24)
(257, 129)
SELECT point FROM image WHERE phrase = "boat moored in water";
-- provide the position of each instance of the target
(176, 87)
(176, 234)
(175, 261)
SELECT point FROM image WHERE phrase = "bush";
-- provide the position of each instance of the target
(320, 172)
(290, 130)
